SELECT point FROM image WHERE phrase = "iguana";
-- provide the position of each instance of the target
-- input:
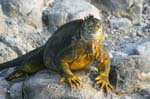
(74, 46)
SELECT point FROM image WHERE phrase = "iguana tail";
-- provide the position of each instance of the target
(19, 60)
(11, 63)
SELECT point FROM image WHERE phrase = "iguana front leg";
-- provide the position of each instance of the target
(68, 76)
(103, 72)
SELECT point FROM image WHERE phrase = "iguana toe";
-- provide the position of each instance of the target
(72, 81)
(15, 74)
(104, 83)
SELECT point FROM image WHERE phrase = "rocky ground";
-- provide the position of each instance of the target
(26, 24)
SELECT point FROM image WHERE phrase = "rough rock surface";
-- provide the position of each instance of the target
(20, 43)
(127, 8)
(19, 28)
(24, 11)
(20, 32)
(3, 88)
(130, 75)
(47, 84)
(15, 91)
(137, 48)
(61, 11)
(120, 23)
(143, 49)
(146, 11)
(7, 54)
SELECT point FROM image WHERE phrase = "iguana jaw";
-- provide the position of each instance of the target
(93, 37)
(92, 30)
(98, 36)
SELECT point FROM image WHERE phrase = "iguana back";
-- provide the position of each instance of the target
(60, 40)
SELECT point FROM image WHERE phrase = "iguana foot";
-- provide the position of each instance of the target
(72, 81)
(103, 81)
(15, 74)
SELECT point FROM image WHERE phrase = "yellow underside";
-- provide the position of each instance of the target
(82, 62)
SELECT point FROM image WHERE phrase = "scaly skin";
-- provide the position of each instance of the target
(31, 63)
(74, 46)
(84, 59)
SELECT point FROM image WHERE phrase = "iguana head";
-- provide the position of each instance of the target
(92, 29)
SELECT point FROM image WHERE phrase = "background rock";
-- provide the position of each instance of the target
(143, 49)
(120, 23)
(130, 48)
(61, 11)
(24, 11)
(21, 25)
(146, 11)
(21, 43)
(133, 73)
(127, 8)
(6, 52)
(21, 30)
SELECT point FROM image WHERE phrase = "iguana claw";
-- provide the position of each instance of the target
(72, 81)
(16, 74)
(103, 81)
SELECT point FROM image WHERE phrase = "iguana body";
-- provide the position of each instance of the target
(74, 46)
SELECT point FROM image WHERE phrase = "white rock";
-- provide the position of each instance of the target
(24, 10)
(118, 54)
(128, 8)
(132, 73)
(130, 48)
(6, 53)
(143, 49)
(20, 23)
(120, 23)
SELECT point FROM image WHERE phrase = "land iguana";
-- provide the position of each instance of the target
(74, 46)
